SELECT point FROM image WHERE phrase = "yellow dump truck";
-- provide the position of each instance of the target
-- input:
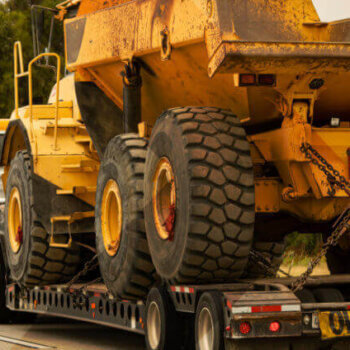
(188, 138)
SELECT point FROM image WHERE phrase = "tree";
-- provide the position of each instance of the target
(15, 24)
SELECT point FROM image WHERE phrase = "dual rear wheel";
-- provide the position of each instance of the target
(165, 328)
(190, 190)
(121, 244)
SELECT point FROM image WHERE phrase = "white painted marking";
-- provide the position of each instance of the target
(242, 310)
(291, 307)
(248, 309)
(24, 343)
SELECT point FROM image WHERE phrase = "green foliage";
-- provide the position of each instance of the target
(15, 24)
(303, 245)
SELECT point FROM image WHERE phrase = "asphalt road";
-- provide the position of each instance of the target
(56, 333)
(49, 333)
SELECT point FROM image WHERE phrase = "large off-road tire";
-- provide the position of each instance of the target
(338, 261)
(123, 254)
(199, 196)
(272, 252)
(31, 261)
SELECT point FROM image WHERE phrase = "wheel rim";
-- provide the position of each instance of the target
(111, 217)
(15, 220)
(164, 199)
(205, 330)
(153, 325)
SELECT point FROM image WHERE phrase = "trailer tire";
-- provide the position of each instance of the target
(338, 261)
(205, 232)
(305, 296)
(272, 252)
(328, 295)
(121, 244)
(32, 262)
(209, 323)
(163, 328)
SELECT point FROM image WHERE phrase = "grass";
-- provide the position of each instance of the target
(296, 268)
(300, 250)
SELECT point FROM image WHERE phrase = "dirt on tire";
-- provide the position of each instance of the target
(214, 214)
(36, 263)
(130, 272)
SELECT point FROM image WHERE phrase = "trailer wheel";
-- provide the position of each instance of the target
(209, 323)
(272, 252)
(124, 260)
(163, 327)
(199, 196)
(328, 295)
(305, 296)
(31, 261)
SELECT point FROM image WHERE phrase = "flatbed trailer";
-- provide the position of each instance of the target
(243, 315)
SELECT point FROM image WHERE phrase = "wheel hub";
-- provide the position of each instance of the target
(153, 325)
(15, 220)
(164, 199)
(111, 217)
(205, 330)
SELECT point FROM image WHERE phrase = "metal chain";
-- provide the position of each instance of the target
(343, 224)
(342, 227)
(335, 179)
(265, 264)
(89, 265)
(333, 176)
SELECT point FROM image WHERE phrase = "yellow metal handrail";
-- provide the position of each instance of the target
(17, 51)
(29, 73)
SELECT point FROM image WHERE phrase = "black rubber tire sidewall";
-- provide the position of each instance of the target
(338, 261)
(111, 266)
(305, 296)
(167, 255)
(129, 274)
(328, 295)
(170, 335)
(18, 177)
(211, 300)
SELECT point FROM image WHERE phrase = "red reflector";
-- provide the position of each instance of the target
(267, 79)
(275, 326)
(267, 308)
(228, 328)
(245, 327)
(247, 79)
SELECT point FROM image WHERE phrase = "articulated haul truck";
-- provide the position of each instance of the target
(154, 189)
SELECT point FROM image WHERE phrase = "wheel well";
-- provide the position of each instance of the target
(16, 139)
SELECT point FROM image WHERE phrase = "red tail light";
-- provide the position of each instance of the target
(275, 327)
(245, 327)
(247, 79)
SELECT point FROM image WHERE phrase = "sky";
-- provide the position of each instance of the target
(332, 10)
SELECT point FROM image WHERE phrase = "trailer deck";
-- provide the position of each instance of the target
(252, 309)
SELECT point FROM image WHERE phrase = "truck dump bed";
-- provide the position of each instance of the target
(189, 51)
